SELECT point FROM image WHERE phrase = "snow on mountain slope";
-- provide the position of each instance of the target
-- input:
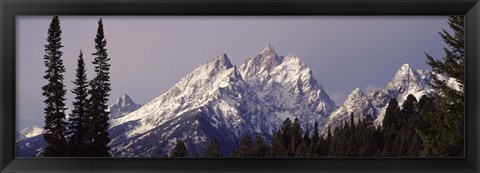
(287, 86)
(218, 100)
(211, 101)
(405, 81)
(31, 131)
(30, 147)
(29, 141)
(122, 107)
(357, 103)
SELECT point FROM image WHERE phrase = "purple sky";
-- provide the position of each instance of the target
(150, 54)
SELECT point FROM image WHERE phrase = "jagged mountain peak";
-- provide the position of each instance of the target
(357, 103)
(269, 50)
(286, 84)
(219, 63)
(407, 80)
(123, 100)
(356, 95)
(122, 106)
(224, 61)
(357, 90)
(263, 61)
(405, 67)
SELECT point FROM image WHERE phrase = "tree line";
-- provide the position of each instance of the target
(84, 133)
(429, 127)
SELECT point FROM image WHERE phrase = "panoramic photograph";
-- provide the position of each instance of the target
(240, 86)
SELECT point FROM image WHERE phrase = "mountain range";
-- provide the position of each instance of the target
(219, 100)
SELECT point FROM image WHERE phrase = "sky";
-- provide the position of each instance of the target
(149, 54)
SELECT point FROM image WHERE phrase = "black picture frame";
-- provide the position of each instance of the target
(10, 8)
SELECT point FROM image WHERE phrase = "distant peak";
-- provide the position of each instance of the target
(124, 99)
(405, 66)
(355, 94)
(357, 90)
(124, 96)
(269, 50)
(269, 46)
(223, 61)
(405, 70)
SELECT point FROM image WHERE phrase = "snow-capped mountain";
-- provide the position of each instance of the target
(211, 101)
(31, 131)
(405, 81)
(218, 100)
(357, 103)
(287, 86)
(30, 141)
(122, 107)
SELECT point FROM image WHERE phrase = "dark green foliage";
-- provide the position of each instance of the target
(97, 135)
(313, 147)
(286, 132)
(213, 149)
(406, 132)
(246, 147)
(54, 92)
(260, 147)
(77, 120)
(296, 135)
(391, 126)
(180, 150)
(448, 140)
(278, 146)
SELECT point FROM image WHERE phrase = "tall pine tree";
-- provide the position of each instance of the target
(213, 150)
(97, 136)
(450, 101)
(78, 117)
(260, 148)
(278, 146)
(54, 91)
(246, 146)
(180, 150)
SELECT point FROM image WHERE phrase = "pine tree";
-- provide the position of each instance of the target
(450, 101)
(427, 124)
(351, 150)
(391, 126)
(97, 136)
(302, 150)
(180, 150)
(307, 141)
(54, 91)
(296, 135)
(287, 138)
(260, 147)
(278, 147)
(312, 149)
(246, 146)
(213, 149)
(408, 119)
(77, 120)
(316, 135)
